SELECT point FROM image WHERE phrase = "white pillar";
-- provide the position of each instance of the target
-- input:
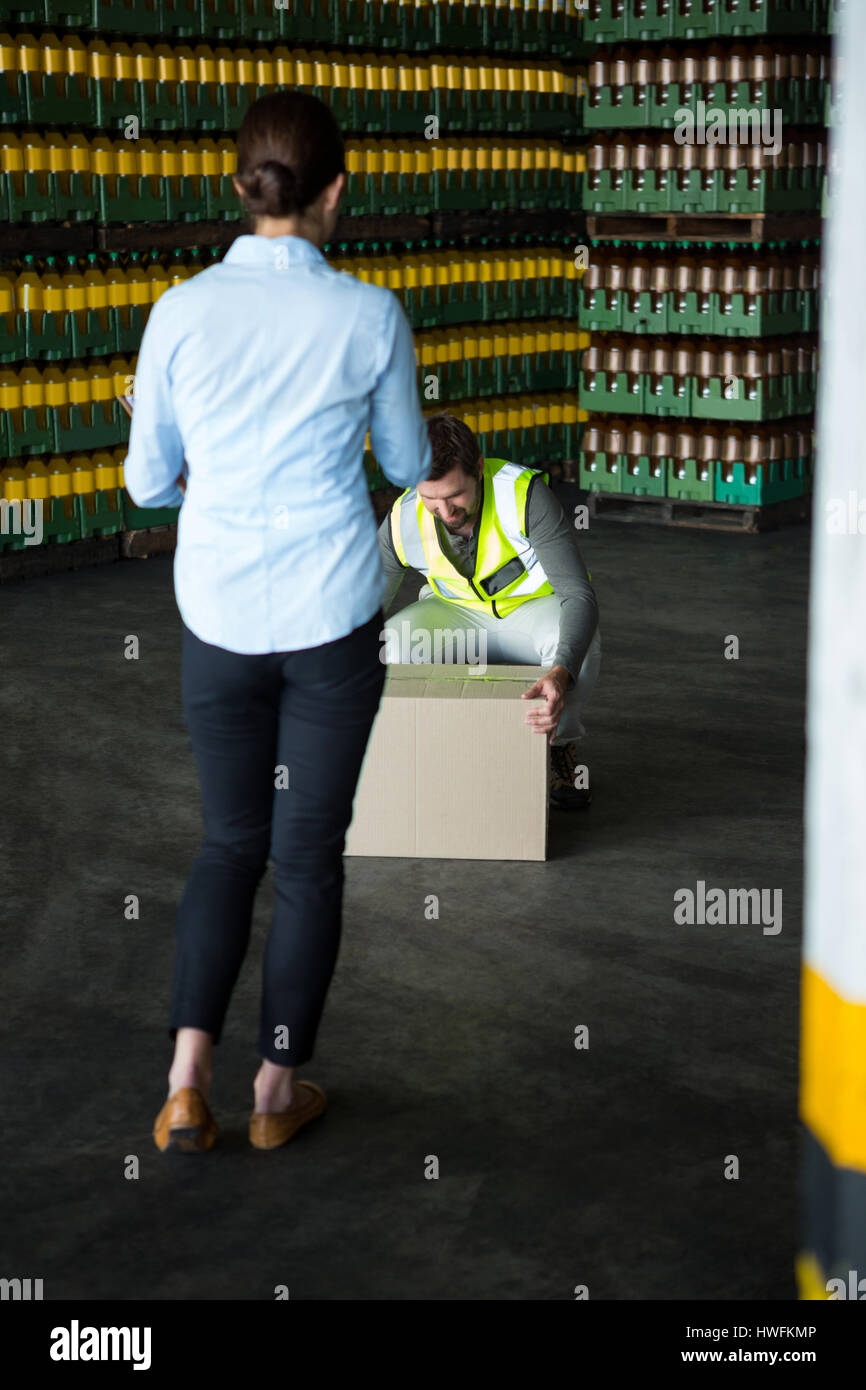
(833, 1073)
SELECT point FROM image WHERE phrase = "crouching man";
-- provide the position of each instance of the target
(502, 567)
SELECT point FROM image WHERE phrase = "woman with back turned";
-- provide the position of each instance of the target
(264, 373)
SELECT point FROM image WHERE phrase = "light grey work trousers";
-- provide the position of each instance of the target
(527, 637)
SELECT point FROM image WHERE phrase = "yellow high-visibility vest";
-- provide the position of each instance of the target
(507, 570)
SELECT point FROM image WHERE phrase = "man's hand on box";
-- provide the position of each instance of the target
(552, 687)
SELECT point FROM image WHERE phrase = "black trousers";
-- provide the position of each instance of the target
(279, 740)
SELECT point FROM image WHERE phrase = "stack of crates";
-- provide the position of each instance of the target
(701, 380)
(125, 112)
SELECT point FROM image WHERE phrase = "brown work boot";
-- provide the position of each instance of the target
(564, 795)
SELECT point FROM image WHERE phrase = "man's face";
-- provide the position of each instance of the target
(454, 498)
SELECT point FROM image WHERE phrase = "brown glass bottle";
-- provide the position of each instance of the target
(754, 278)
(660, 279)
(593, 278)
(614, 440)
(706, 278)
(637, 277)
(770, 370)
(643, 73)
(620, 161)
(620, 74)
(706, 365)
(685, 445)
(691, 70)
(709, 448)
(637, 445)
(661, 365)
(736, 71)
(762, 76)
(662, 442)
(732, 451)
(730, 278)
(684, 277)
(635, 365)
(597, 78)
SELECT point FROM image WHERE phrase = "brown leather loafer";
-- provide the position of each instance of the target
(270, 1131)
(185, 1124)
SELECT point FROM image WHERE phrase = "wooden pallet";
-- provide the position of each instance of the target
(83, 237)
(685, 226)
(35, 560)
(701, 516)
(156, 540)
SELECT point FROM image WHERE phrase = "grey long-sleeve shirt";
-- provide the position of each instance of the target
(555, 544)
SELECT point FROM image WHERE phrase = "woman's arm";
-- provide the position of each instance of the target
(398, 432)
(154, 464)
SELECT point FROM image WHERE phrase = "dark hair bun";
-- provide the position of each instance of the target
(289, 150)
(271, 190)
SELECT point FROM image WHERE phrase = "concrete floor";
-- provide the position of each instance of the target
(559, 1167)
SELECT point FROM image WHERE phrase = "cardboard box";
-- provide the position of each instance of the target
(451, 770)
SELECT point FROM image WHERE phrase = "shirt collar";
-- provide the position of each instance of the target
(276, 252)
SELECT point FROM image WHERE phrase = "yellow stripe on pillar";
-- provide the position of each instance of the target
(833, 1071)
(811, 1283)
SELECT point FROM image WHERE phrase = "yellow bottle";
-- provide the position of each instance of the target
(245, 67)
(74, 292)
(178, 269)
(228, 153)
(53, 295)
(165, 63)
(7, 303)
(56, 152)
(454, 262)
(137, 282)
(104, 470)
(10, 390)
(393, 270)
(265, 69)
(77, 385)
(190, 157)
(28, 291)
(123, 62)
(323, 77)
(75, 61)
(209, 163)
(103, 161)
(59, 476)
(100, 64)
(13, 482)
(411, 272)
(96, 292)
(122, 376)
(158, 279)
(9, 60)
(11, 157)
(52, 59)
(102, 387)
(54, 386)
(116, 283)
(119, 456)
(442, 278)
(81, 467)
(152, 162)
(32, 394)
(77, 161)
(37, 486)
(187, 65)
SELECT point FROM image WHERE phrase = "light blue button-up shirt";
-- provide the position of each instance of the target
(264, 373)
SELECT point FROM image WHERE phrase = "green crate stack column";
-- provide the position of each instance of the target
(701, 378)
